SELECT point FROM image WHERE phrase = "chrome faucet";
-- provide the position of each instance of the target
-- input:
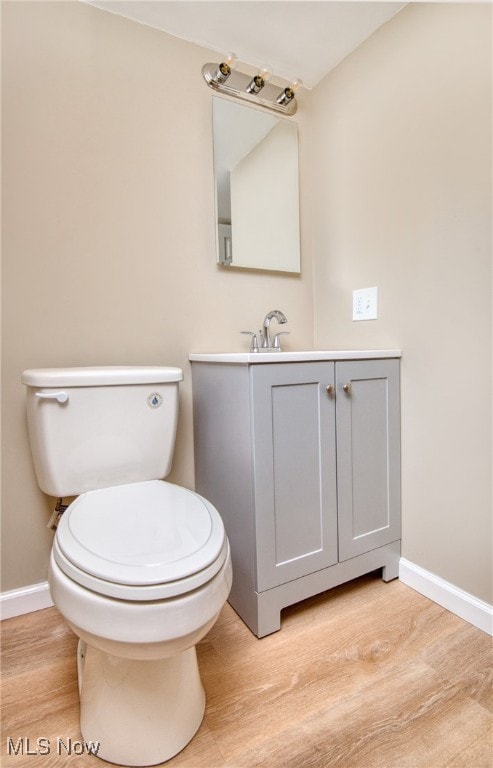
(263, 341)
(267, 342)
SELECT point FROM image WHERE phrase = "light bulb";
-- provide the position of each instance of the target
(231, 60)
(224, 69)
(257, 83)
(288, 93)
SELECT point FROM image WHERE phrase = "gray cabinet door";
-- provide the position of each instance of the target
(295, 470)
(368, 455)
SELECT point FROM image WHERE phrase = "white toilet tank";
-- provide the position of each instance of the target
(96, 427)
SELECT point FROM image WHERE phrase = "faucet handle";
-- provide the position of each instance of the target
(254, 344)
(277, 343)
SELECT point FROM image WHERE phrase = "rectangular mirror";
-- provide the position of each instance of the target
(257, 188)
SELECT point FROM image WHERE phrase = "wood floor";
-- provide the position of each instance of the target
(369, 675)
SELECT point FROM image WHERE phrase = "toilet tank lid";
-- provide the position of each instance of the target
(100, 376)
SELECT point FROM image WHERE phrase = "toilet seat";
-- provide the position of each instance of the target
(143, 541)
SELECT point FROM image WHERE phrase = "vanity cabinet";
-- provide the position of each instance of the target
(302, 461)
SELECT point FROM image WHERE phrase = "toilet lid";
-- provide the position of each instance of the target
(141, 534)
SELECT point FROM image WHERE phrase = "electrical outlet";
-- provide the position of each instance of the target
(365, 304)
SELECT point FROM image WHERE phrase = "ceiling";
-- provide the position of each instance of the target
(294, 38)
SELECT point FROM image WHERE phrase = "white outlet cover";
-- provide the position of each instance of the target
(365, 304)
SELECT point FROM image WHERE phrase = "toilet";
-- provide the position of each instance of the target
(140, 568)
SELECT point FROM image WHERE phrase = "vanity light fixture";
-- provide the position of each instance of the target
(223, 78)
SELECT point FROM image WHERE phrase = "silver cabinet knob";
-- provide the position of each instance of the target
(330, 389)
(347, 388)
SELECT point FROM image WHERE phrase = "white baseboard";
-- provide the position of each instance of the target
(25, 600)
(455, 600)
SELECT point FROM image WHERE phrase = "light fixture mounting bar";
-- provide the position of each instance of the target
(236, 86)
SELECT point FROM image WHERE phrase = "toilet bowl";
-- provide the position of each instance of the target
(148, 588)
(140, 601)
(139, 569)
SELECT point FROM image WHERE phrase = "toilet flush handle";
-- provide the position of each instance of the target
(61, 397)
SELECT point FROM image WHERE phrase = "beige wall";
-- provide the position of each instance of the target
(402, 183)
(108, 243)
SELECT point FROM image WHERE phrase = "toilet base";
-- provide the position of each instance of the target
(140, 712)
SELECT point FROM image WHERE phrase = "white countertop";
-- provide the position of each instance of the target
(248, 358)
